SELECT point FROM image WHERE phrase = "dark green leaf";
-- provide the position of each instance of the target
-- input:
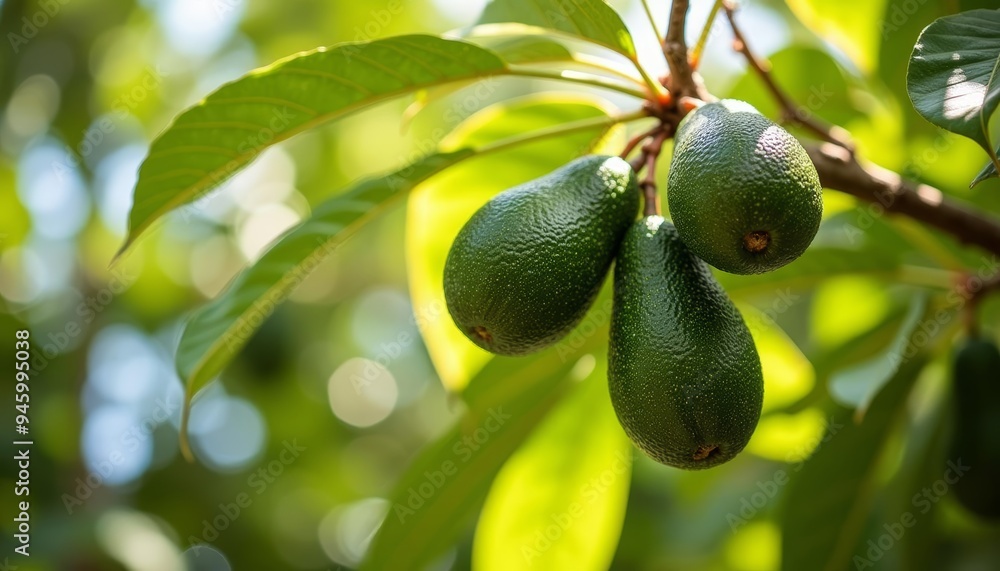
(446, 484)
(591, 20)
(215, 139)
(828, 499)
(989, 171)
(952, 79)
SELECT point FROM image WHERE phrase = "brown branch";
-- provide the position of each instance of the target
(789, 110)
(681, 81)
(651, 152)
(840, 170)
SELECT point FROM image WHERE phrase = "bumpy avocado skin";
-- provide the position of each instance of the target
(976, 439)
(524, 269)
(734, 175)
(684, 374)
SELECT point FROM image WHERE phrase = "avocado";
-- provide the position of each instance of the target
(976, 436)
(684, 374)
(742, 191)
(524, 269)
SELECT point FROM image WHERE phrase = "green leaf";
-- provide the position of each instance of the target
(953, 78)
(437, 212)
(989, 171)
(857, 385)
(590, 20)
(527, 49)
(218, 330)
(854, 27)
(441, 490)
(559, 502)
(216, 138)
(828, 499)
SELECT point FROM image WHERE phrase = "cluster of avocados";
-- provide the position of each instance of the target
(684, 375)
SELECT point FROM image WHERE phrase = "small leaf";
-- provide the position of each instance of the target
(989, 171)
(441, 490)
(218, 330)
(828, 500)
(212, 141)
(953, 77)
(590, 20)
(856, 386)
(574, 474)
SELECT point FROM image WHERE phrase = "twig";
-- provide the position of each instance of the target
(681, 80)
(789, 110)
(840, 170)
(699, 47)
(634, 141)
(651, 152)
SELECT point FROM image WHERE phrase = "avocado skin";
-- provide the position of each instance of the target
(976, 439)
(735, 172)
(525, 268)
(683, 371)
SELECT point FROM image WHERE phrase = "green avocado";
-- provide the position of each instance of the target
(742, 191)
(684, 374)
(524, 269)
(976, 437)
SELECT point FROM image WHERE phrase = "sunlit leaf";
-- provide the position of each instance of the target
(591, 20)
(854, 27)
(787, 437)
(857, 385)
(216, 138)
(527, 49)
(436, 498)
(440, 208)
(559, 502)
(827, 502)
(953, 78)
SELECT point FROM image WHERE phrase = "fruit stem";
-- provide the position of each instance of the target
(650, 153)
(578, 77)
(699, 47)
(790, 112)
(634, 141)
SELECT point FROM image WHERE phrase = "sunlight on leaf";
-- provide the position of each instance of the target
(854, 27)
(788, 437)
(845, 307)
(788, 375)
(757, 547)
(559, 502)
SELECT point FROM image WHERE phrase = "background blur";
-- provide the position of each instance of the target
(86, 84)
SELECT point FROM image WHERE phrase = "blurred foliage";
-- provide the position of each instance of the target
(349, 402)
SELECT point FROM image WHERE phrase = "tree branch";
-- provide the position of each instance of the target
(681, 79)
(790, 112)
(840, 170)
